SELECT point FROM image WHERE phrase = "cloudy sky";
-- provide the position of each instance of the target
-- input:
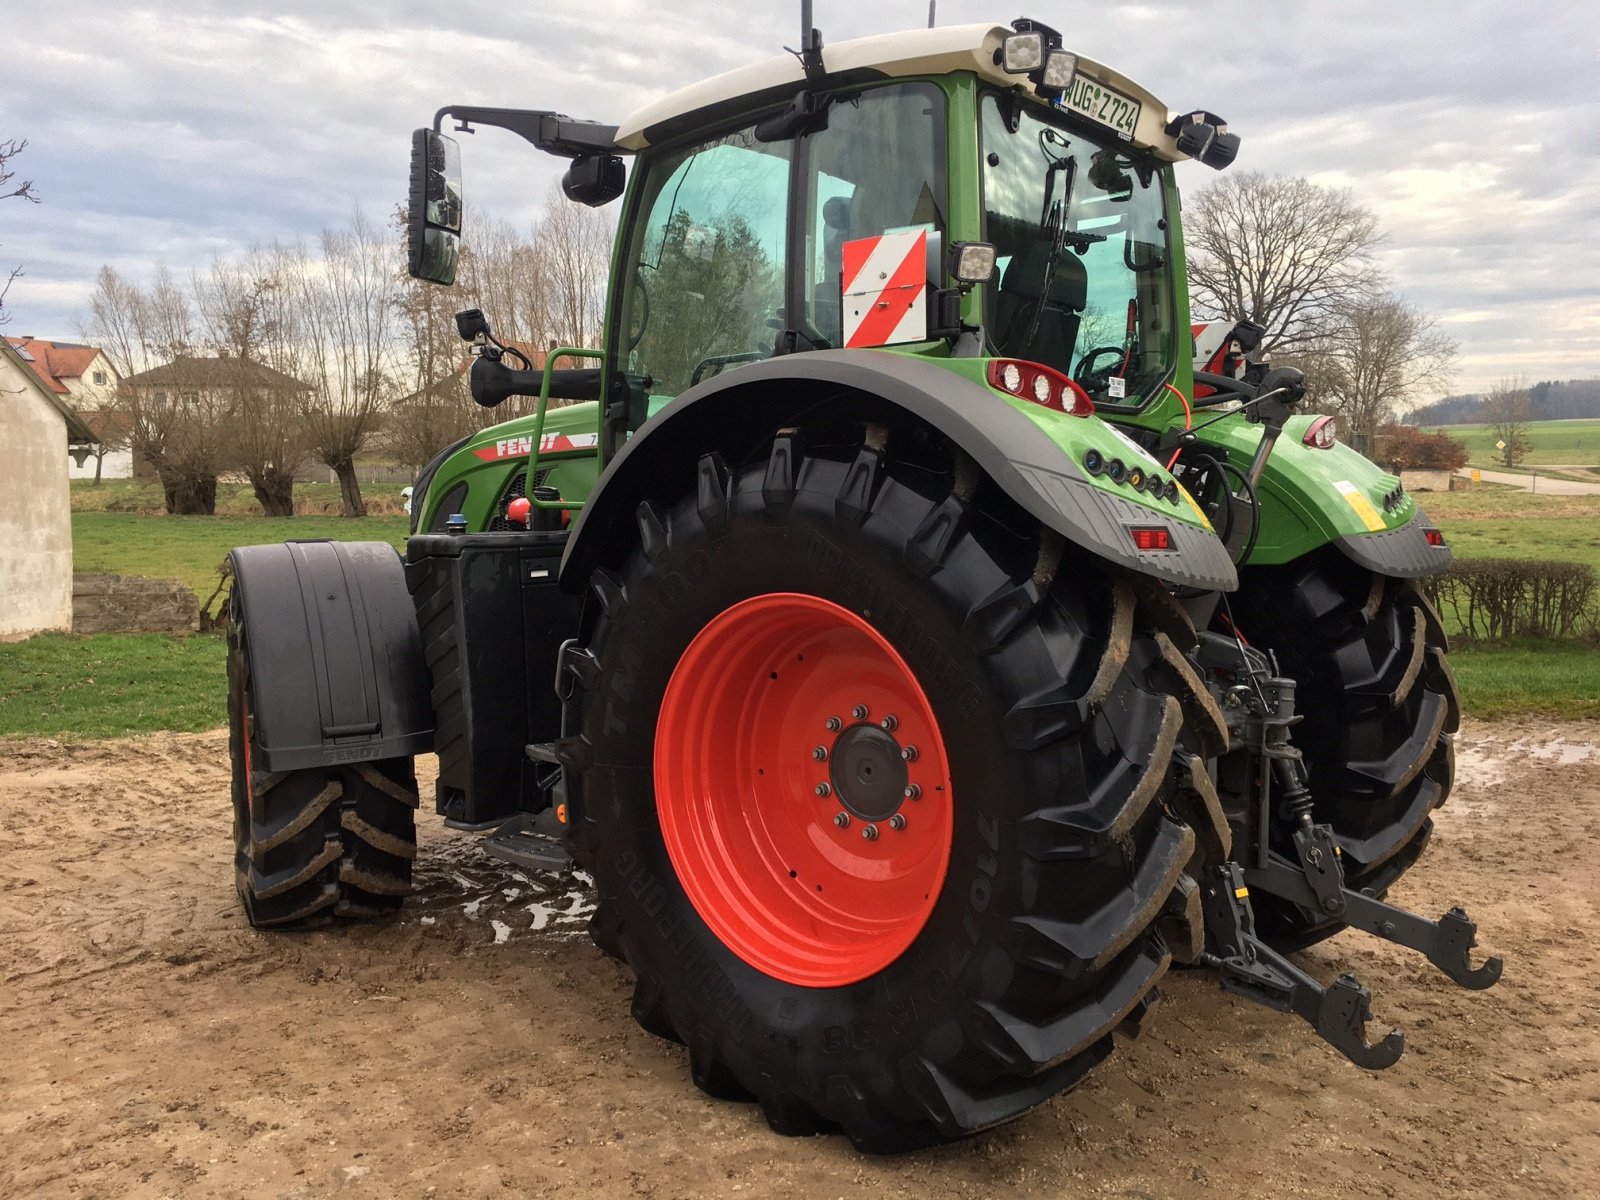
(172, 132)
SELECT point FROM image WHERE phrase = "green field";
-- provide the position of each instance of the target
(233, 499)
(110, 684)
(107, 685)
(191, 548)
(1515, 524)
(1572, 443)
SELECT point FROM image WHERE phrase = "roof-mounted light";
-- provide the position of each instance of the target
(1059, 69)
(1023, 53)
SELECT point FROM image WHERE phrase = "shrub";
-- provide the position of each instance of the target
(1405, 447)
(1497, 598)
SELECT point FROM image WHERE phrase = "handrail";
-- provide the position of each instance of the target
(538, 424)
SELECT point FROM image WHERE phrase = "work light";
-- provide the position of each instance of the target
(1024, 52)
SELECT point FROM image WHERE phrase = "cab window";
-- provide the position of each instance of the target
(706, 280)
(877, 168)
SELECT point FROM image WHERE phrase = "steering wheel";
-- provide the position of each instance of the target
(641, 313)
(1092, 377)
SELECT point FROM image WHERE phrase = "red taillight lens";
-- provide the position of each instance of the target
(1435, 538)
(1322, 434)
(1151, 537)
(1041, 384)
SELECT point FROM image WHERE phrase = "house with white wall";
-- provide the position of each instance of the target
(84, 378)
(38, 429)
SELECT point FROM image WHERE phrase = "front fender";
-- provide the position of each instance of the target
(1028, 458)
(1312, 498)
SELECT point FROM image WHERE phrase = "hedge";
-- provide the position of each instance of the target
(1497, 598)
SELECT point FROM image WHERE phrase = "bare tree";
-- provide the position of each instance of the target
(1288, 254)
(249, 320)
(1508, 409)
(348, 307)
(177, 413)
(575, 241)
(436, 410)
(1374, 358)
(9, 149)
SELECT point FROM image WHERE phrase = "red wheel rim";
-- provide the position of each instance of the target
(751, 811)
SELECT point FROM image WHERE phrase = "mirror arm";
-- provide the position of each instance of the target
(552, 132)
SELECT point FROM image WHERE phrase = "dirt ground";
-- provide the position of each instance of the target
(151, 1044)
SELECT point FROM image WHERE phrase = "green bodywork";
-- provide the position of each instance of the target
(1309, 497)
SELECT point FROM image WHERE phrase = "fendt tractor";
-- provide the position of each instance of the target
(919, 650)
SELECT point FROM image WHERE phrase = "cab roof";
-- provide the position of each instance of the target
(938, 51)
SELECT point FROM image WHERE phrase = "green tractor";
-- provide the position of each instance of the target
(918, 650)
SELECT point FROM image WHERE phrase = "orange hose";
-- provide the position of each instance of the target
(1188, 419)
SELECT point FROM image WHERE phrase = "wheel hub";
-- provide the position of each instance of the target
(867, 772)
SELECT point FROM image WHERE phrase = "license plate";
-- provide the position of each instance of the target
(1102, 104)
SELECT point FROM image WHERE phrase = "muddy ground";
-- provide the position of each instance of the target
(152, 1045)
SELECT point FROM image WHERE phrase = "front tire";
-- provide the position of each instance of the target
(978, 959)
(312, 845)
(1379, 702)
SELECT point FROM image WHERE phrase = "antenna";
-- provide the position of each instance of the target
(810, 52)
(932, 4)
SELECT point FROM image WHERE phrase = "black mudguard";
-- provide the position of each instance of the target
(336, 667)
(734, 412)
(1404, 553)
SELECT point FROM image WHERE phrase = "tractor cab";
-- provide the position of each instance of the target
(968, 192)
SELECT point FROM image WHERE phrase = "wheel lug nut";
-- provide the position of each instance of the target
(820, 753)
(859, 712)
(841, 819)
(914, 792)
(834, 724)
(823, 789)
(909, 753)
(870, 832)
(898, 821)
(890, 723)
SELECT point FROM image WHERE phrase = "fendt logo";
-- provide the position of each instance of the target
(550, 443)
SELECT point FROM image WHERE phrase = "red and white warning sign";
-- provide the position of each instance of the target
(885, 285)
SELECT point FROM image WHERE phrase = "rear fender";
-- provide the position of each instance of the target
(336, 667)
(737, 412)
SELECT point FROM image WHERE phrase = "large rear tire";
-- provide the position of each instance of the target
(1379, 703)
(312, 845)
(931, 978)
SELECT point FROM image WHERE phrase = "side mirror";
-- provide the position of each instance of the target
(433, 231)
(594, 179)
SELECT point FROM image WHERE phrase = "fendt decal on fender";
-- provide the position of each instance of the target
(550, 443)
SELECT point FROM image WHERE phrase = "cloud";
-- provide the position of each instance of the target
(175, 131)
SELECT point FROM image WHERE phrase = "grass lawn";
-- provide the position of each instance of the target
(109, 684)
(1573, 443)
(190, 548)
(233, 499)
(1514, 524)
(1529, 678)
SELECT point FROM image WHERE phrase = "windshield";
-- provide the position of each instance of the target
(1081, 283)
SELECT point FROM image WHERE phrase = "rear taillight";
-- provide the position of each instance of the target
(1041, 384)
(1435, 538)
(1322, 434)
(1151, 537)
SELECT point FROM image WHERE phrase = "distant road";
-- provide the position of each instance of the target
(1541, 484)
